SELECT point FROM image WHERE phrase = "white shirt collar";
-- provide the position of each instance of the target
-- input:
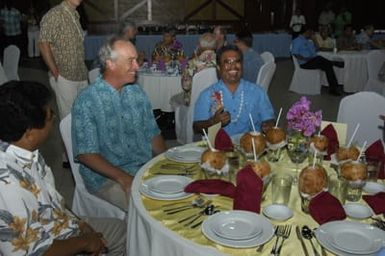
(23, 155)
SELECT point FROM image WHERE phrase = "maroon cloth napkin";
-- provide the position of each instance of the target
(334, 144)
(214, 186)
(376, 202)
(223, 141)
(248, 193)
(325, 207)
(376, 152)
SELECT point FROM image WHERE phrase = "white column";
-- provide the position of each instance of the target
(149, 10)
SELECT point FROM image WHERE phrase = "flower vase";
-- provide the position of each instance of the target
(297, 146)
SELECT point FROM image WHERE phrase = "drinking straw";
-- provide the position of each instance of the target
(254, 152)
(362, 150)
(208, 141)
(314, 158)
(252, 122)
(353, 135)
(279, 116)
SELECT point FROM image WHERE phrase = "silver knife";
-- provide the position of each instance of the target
(299, 236)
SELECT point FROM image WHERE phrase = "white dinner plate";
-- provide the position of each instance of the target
(238, 238)
(278, 212)
(349, 238)
(358, 211)
(373, 187)
(185, 154)
(166, 187)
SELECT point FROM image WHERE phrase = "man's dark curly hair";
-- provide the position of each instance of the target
(23, 105)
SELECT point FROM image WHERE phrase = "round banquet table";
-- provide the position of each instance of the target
(160, 88)
(152, 232)
(354, 75)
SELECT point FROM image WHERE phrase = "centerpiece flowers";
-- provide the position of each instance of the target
(302, 124)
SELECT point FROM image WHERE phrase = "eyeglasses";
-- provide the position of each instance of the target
(229, 62)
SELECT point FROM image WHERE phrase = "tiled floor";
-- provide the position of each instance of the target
(278, 92)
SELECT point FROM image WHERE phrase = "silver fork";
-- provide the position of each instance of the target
(278, 233)
(285, 235)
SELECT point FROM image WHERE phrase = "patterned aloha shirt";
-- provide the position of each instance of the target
(32, 212)
(206, 59)
(11, 21)
(60, 27)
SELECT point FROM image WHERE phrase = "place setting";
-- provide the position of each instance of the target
(166, 187)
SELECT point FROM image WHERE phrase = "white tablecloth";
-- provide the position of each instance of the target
(355, 73)
(148, 237)
(159, 89)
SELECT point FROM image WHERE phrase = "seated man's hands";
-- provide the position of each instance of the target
(125, 182)
(221, 116)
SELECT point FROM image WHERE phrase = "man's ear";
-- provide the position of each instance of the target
(110, 64)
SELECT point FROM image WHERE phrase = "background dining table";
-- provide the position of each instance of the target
(160, 87)
(354, 74)
(152, 232)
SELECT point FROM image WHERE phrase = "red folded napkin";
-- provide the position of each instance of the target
(248, 193)
(376, 202)
(223, 141)
(333, 145)
(214, 186)
(376, 152)
(325, 207)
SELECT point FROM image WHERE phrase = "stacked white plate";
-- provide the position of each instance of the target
(185, 154)
(166, 187)
(348, 238)
(238, 229)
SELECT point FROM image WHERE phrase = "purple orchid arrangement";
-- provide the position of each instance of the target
(300, 117)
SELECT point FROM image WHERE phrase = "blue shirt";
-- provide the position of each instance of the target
(252, 62)
(304, 47)
(119, 126)
(364, 40)
(249, 98)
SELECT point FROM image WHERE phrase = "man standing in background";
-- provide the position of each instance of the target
(61, 45)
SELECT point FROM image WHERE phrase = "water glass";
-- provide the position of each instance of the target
(281, 187)
(273, 155)
(354, 190)
(305, 200)
(373, 167)
(338, 187)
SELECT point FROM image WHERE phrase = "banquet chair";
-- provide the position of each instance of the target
(184, 114)
(305, 81)
(375, 59)
(341, 130)
(363, 108)
(265, 75)
(3, 77)
(84, 203)
(93, 74)
(11, 62)
(267, 57)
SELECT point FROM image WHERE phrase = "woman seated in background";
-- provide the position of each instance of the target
(204, 57)
(169, 49)
(323, 41)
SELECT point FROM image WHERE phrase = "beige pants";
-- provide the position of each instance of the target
(66, 92)
(114, 231)
(114, 194)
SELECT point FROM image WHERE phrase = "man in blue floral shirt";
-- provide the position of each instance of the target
(113, 127)
(33, 218)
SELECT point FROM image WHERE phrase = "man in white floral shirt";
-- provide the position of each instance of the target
(33, 218)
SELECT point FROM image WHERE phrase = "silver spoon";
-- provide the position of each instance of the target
(307, 233)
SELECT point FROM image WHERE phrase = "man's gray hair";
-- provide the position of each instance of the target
(125, 26)
(207, 41)
(107, 52)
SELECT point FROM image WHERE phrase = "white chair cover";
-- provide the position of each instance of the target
(363, 108)
(11, 62)
(84, 203)
(93, 74)
(184, 114)
(265, 75)
(267, 57)
(3, 77)
(305, 81)
(375, 59)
